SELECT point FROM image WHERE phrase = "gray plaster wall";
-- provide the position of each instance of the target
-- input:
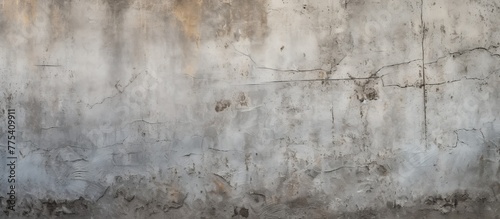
(251, 108)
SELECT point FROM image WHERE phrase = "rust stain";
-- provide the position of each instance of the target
(188, 13)
(23, 11)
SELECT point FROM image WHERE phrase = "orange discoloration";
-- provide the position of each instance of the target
(221, 186)
(22, 11)
(188, 13)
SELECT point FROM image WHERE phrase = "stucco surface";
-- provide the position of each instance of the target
(252, 109)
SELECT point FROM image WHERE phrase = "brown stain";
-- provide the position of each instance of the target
(188, 13)
(21, 11)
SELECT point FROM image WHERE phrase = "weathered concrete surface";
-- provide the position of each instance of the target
(252, 109)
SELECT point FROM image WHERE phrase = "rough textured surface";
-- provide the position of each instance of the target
(252, 109)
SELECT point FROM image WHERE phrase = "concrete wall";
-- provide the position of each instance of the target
(251, 108)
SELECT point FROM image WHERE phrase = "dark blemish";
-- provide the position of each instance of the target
(282, 47)
(129, 198)
(381, 170)
(392, 204)
(304, 6)
(222, 105)
(235, 212)
(442, 29)
(298, 203)
(243, 99)
(312, 173)
(366, 91)
(244, 212)
(51, 205)
(143, 134)
(371, 94)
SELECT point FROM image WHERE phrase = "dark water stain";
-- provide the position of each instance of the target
(34, 115)
(60, 20)
(251, 17)
(114, 40)
(239, 18)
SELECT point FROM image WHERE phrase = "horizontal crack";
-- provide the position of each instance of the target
(312, 80)
(466, 51)
(465, 78)
(276, 69)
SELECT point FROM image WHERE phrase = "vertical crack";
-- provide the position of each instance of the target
(423, 70)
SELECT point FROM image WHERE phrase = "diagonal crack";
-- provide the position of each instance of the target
(120, 91)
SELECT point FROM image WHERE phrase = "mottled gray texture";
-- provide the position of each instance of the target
(252, 109)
